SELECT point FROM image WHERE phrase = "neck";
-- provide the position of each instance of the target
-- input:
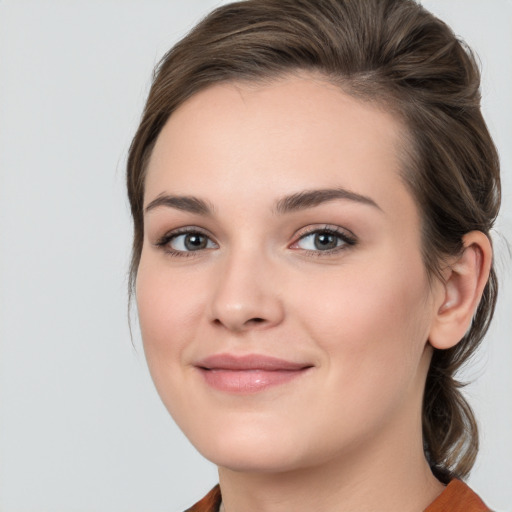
(389, 474)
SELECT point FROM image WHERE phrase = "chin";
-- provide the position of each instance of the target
(253, 460)
(249, 450)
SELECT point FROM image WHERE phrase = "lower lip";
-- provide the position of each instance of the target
(248, 381)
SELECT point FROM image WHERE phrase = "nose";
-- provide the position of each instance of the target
(247, 294)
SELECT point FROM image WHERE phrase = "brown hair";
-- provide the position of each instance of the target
(398, 54)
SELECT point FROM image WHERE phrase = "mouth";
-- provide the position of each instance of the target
(250, 373)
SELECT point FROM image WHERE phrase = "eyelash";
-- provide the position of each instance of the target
(347, 240)
(164, 242)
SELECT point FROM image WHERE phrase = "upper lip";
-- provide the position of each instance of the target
(249, 362)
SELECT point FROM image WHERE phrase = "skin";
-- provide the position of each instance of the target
(345, 435)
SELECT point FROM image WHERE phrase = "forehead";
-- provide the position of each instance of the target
(299, 131)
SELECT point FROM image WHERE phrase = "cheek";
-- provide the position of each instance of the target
(169, 307)
(372, 325)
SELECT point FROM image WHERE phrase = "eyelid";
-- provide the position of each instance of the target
(164, 240)
(348, 238)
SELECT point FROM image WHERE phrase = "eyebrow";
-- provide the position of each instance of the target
(189, 204)
(311, 198)
(294, 202)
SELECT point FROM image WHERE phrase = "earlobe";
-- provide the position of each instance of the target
(461, 291)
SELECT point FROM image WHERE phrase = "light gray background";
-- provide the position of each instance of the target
(81, 427)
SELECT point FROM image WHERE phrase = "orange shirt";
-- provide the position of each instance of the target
(210, 503)
(457, 497)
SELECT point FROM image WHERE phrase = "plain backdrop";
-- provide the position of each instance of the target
(81, 426)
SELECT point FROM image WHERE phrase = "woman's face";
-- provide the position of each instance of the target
(283, 302)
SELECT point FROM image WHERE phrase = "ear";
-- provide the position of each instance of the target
(460, 293)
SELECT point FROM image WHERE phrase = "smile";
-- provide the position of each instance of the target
(248, 374)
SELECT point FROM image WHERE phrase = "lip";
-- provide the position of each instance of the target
(250, 373)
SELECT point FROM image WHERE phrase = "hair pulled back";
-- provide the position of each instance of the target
(394, 53)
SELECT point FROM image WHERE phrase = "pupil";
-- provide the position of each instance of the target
(195, 242)
(325, 241)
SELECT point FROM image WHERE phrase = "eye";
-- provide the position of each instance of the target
(324, 240)
(180, 243)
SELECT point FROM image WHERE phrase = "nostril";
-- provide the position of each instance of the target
(255, 320)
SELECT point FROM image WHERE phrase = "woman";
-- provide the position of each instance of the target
(312, 186)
